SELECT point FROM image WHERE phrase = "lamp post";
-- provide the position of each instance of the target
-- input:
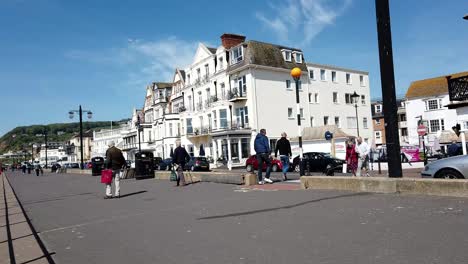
(296, 74)
(423, 141)
(80, 112)
(465, 17)
(138, 125)
(45, 140)
(355, 97)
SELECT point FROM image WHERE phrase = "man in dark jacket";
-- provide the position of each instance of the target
(180, 158)
(116, 162)
(262, 148)
(284, 148)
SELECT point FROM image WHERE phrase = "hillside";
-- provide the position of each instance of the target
(22, 137)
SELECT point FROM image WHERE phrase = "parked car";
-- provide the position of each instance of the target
(75, 165)
(156, 162)
(251, 164)
(318, 162)
(165, 164)
(197, 163)
(448, 168)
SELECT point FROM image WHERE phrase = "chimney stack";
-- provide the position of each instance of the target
(231, 40)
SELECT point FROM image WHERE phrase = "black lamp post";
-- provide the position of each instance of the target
(80, 112)
(296, 74)
(423, 140)
(355, 98)
(45, 139)
(138, 125)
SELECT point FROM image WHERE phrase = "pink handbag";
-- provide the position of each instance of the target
(106, 176)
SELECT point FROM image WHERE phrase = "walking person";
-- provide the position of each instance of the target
(351, 157)
(116, 162)
(179, 158)
(37, 168)
(262, 148)
(284, 147)
(362, 149)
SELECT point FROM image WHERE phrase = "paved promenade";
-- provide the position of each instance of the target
(155, 222)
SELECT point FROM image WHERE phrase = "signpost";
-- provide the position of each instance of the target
(422, 131)
(329, 136)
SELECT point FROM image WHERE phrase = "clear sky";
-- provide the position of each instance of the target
(57, 54)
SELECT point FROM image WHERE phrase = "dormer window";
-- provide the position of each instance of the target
(237, 55)
(298, 57)
(287, 55)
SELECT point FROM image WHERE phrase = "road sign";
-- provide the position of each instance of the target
(422, 130)
(328, 135)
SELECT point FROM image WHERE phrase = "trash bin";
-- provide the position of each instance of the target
(144, 167)
(97, 165)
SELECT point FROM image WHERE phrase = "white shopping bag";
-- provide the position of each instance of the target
(345, 168)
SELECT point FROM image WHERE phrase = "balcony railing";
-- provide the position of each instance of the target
(234, 95)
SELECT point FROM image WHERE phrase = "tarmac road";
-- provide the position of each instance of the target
(155, 222)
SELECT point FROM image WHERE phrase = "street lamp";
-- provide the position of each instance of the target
(420, 122)
(296, 74)
(138, 125)
(355, 98)
(465, 17)
(80, 112)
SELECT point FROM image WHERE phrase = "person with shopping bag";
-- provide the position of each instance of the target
(115, 162)
(179, 159)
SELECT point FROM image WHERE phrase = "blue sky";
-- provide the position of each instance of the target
(55, 55)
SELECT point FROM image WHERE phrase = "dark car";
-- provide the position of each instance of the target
(197, 163)
(156, 162)
(319, 162)
(251, 164)
(75, 165)
(165, 164)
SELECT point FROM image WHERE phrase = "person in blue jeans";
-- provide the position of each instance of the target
(262, 148)
(284, 148)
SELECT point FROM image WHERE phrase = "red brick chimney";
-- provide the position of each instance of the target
(231, 40)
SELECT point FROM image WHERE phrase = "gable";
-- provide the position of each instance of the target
(202, 53)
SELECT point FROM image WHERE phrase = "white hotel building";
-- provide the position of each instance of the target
(221, 101)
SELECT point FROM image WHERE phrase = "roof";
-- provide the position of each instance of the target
(162, 85)
(431, 87)
(318, 133)
(212, 50)
(267, 54)
(182, 72)
(448, 137)
(332, 67)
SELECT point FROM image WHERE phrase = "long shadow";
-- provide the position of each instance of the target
(130, 194)
(58, 198)
(38, 258)
(282, 207)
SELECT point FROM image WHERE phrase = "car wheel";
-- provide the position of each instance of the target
(297, 168)
(249, 168)
(274, 168)
(449, 174)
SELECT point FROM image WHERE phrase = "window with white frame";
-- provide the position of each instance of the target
(170, 129)
(207, 70)
(436, 125)
(221, 61)
(298, 57)
(361, 80)
(189, 126)
(351, 122)
(311, 74)
(312, 121)
(237, 54)
(287, 55)
(433, 104)
(323, 76)
(215, 120)
(188, 79)
(378, 135)
(316, 98)
(337, 121)
(364, 122)
(242, 86)
(198, 74)
(288, 84)
(325, 120)
(290, 112)
(348, 78)
(378, 108)
(242, 116)
(363, 99)
(310, 97)
(223, 91)
(223, 118)
(377, 121)
(348, 98)
(333, 73)
(335, 97)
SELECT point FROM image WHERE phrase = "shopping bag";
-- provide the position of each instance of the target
(106, 176)
(173, 175)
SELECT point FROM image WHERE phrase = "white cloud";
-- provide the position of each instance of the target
(304, 18)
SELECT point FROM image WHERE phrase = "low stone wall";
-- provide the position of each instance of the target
(78, 171)
(440, 187)
(204, 176)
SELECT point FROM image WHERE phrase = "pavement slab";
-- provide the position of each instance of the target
(155, 222)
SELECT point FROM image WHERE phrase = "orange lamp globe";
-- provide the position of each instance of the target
(296, 73)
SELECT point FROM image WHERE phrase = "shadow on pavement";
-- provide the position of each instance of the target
(56, 198)
(130, 194)
(282, 207)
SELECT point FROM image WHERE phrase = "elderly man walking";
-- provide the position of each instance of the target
(262, 148)
(116, 162)
(180, 157)
(362, 149)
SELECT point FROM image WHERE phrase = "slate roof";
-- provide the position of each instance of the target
(182, 72)
(431, 87)
(318, 133)
(212, 50)
(163, 85)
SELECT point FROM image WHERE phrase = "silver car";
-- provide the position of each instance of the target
(449, 168)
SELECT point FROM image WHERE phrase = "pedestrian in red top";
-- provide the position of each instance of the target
(351, 157)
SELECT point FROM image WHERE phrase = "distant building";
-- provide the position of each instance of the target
(378, 122)
(74, 142)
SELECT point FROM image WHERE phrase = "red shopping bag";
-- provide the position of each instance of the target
(106, 176)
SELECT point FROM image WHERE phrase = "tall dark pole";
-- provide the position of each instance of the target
(139, 128)
(296, 74)
(423, 141)
(357, 119)
(81, 137)
(45, 139)
(387, 78)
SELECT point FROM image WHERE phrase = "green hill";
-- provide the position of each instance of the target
(22, 137)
